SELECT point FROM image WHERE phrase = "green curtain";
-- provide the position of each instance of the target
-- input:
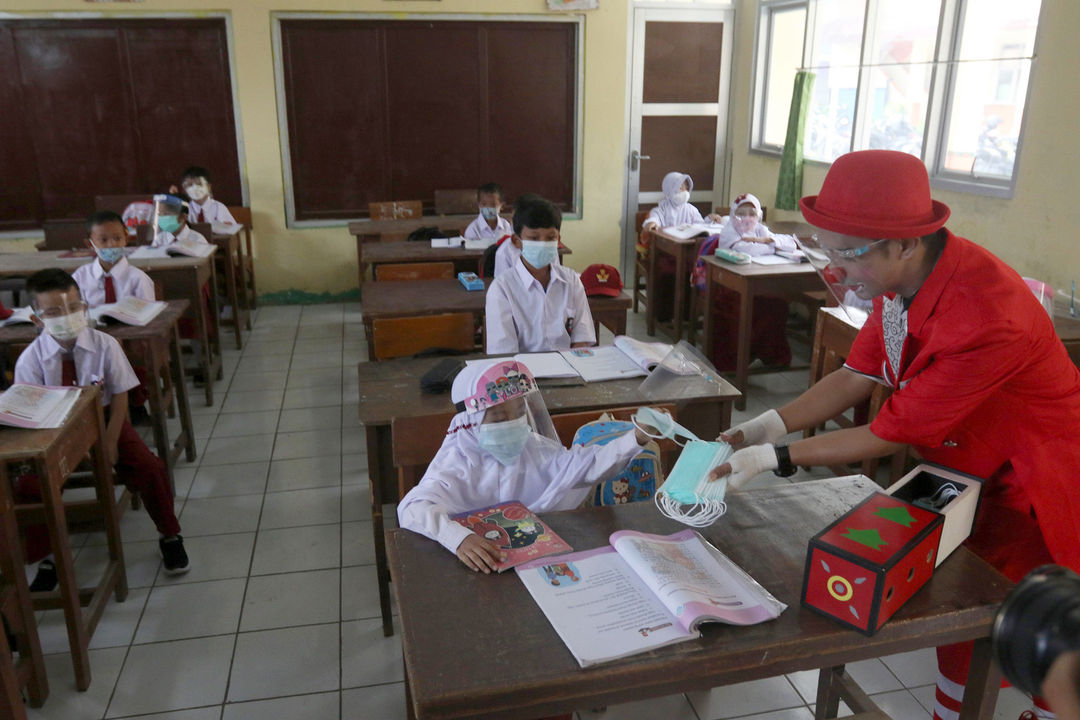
(789, 184)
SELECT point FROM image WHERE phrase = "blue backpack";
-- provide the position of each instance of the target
(638, 481)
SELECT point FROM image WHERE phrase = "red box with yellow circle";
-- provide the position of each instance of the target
(867, 564)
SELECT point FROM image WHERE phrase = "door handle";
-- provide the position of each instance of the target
(635, 157)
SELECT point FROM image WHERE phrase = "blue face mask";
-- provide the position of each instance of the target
(687, 494)
(664, 425)
(489, 213)
(505, 440)
(110, 255)
(168, 223)
(538, 253)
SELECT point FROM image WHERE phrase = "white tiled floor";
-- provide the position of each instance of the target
(279, 616)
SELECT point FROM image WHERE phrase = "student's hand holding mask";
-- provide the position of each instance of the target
(479, 554)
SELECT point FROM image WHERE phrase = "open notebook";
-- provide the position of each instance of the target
(627, 357)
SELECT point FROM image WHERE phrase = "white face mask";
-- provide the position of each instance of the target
(681, 198)
(66, 327)
(197, 192)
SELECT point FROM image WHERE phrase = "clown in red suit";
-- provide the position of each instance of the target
(980, 380)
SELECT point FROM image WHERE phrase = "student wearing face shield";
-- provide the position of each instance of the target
(981, 383)
(501, 446)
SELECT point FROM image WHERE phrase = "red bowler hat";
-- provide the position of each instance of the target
(601, 280)
(876, 194)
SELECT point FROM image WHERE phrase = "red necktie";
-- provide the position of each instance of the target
(67, 372)
(110, 290)
(199, 216)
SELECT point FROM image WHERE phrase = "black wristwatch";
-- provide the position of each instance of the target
(784, 466)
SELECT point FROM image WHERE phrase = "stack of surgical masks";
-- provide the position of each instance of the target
(687, 494)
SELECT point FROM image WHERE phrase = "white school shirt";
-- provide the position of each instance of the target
(99, 360)
(668, 215)
(521, 317)
(128, 281)
(463, 477)
(480, 230)
(167, 238)
(212, 212)
(731, 239)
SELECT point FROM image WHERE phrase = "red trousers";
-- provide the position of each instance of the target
(137, 468)
(768, 337)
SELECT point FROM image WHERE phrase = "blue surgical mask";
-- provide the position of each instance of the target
(489, 213)
(539, 253)
(688, 495)
(168, 223)
(505, 440)
(665, 425)
(110, 255)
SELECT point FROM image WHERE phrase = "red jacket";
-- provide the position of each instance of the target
(985, 386)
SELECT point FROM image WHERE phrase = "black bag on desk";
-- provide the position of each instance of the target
(440, 378)
(424, 234)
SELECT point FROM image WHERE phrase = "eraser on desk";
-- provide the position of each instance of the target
(470, 281)
(732, 256)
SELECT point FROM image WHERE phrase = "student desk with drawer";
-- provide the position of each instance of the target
(684, 253)
(370, 232)
(391, 389)
(433, 297)
(403, 251)
(477, 645)
(180, 277)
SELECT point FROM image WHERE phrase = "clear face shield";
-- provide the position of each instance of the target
(513, 411)
(745, 219)
(65, 319)
(166, 216)
(845, 264)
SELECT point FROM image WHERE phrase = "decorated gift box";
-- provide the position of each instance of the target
(953, 494)
(864, 566)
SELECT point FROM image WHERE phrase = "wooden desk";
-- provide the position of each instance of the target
(433, 297)
(53, 455)
(155, 347)
(391, 389)
(230, 255)
(180, 278)
(523, 669)
(371, 231)
(403, 251)
(685, 253)
(749, 281)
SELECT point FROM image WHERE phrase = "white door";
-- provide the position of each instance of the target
(680, 79)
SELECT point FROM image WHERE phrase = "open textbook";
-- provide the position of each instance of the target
(516, 530)
(642, 592)
(626, 358)
(685, 232)
(130, 311)
(36, 406)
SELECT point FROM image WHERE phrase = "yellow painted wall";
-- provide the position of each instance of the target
(1034, 231)
(324, 259)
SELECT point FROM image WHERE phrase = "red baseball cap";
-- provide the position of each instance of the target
(601, 279)
(876, 194)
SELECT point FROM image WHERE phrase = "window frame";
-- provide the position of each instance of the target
(276, 17)
(939, 100)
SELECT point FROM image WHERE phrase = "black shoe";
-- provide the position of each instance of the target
(139, 415)
(45, 580)
(173, 555)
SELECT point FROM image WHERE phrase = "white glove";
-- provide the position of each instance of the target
(768, 427)
(750, 462)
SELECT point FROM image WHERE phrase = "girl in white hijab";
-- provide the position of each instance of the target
(675, 208)
(501, 446)
(745, 232)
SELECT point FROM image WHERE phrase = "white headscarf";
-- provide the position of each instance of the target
(730, 234)
(667, 213)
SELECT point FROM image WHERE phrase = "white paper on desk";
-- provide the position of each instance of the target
(148, 252)
(547, 365)
(772, 260)
(604, 362)
(36, 406)
(447, 242)
(477, 243)
(225, 228)
(18, 315)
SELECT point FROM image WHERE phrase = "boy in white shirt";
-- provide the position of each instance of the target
(204, 208)
(171, 213)
(488, 225)
(110, 278)
(68, 353)
(501, 446)
(538, 305)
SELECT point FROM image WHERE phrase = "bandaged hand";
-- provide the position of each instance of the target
(480, 554)
(746, 464)
(768, 427)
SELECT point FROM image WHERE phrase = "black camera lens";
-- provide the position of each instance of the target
(1039, 620)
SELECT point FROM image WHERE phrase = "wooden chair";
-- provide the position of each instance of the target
(400, 272)
(242, 215)
(455, 202)
(641, 261)
(119, 203)
(64, 234)
(404, 336)
(396, 210)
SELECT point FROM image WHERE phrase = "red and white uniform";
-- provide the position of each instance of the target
(128, 281)
(984, 385)
(210, 211)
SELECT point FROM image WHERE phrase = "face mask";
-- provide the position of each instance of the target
(489, 213)
(687, 494)
(505, 440)
(665, 425)
(197, 192)
(681, 198)
(110, 255)
(168, 223)
(538, 253)
(66, 327)
(745, 224)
